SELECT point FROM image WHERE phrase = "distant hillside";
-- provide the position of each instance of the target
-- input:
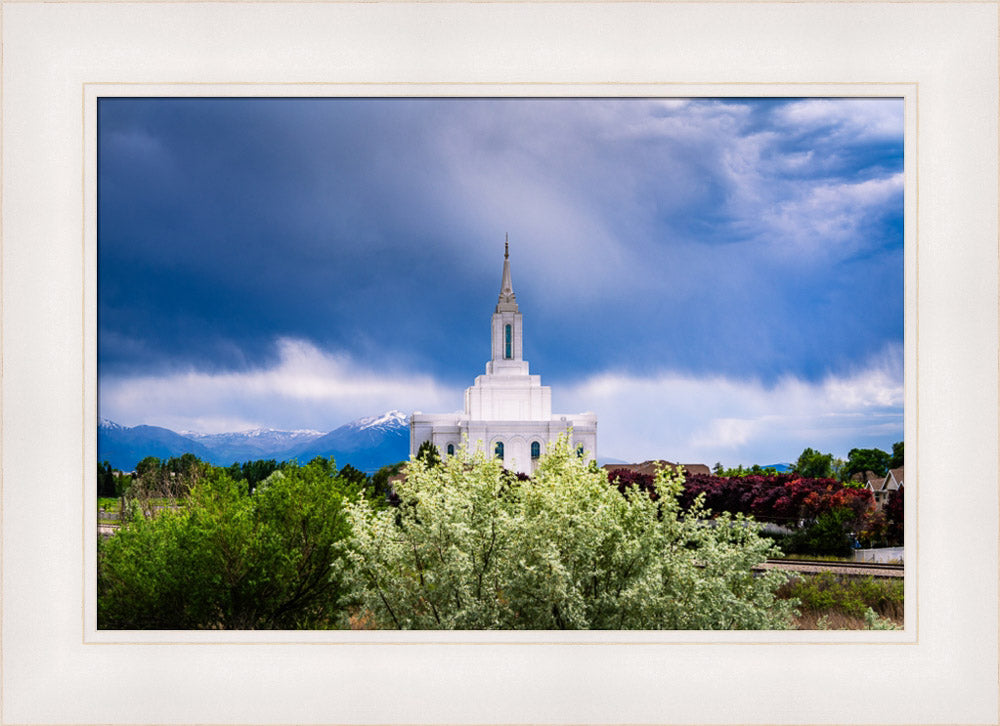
(125, 446)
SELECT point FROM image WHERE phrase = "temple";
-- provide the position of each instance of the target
(507, 410)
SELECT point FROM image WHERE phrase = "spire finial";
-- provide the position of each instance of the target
(506, 288)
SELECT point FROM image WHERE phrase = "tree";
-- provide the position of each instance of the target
(814, 465)
(230, 558)
(894, 515)
(473, 548)
(105, 480)
(783, 498)
(352, 474)
(897, 455)
(860, 461)
(257, 471)
(828, 535)
(429, 454)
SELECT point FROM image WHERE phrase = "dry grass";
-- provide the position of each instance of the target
(812, 620)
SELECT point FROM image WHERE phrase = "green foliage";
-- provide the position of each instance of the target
(873, 621)
(105, 480)
(157, 480)
(896, 460)
(471, 548)
(861, 460)
(354, 475)
(231, 558)
(828, 535)
(325, 464)
(827, 592)
(811, 464)
(429, 454)
(755, 470)
(378, 488)
(252, 472)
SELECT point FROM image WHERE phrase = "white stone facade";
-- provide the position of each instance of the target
(507, 411)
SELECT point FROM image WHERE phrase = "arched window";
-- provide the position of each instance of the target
(498, 450)
(579, 450)
(536, 449)
(451, 449)
(507, 342)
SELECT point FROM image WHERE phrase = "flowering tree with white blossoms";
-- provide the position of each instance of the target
(470, 547)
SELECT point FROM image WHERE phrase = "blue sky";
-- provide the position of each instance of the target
(718, 279)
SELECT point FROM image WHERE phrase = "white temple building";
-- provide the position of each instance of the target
(508, 411)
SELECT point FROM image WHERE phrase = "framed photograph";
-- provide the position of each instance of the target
(212, 213)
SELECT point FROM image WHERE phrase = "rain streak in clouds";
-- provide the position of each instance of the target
(716, 279)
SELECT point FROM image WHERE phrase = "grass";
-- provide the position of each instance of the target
(815, 558)
(113, 505)
(829, 601)
(109, 504)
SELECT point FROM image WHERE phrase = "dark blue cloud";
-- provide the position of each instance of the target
(713, 237)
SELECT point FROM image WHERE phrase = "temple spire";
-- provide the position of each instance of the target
(507, 300)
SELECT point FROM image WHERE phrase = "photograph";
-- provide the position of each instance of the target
(500, 363)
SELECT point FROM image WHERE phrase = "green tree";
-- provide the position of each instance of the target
(256, 471)
(429, 454)
(473, 548)
(230, 558)
(353, 474)
(861, 460)
(378, 487)
(811, 464)
(148, 466)
(828, 535)
(105, 480)
(896, 460)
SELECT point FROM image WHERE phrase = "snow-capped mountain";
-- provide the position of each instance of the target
(126, 446)
(388, 421)
(252, 444)
(366, 443)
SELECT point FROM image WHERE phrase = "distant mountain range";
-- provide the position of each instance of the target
(367, 443)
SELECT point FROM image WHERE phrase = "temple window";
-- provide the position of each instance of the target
(498, 450)
(536, 449)
(507, 342)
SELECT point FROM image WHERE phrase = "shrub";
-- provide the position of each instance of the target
(270, 558)
(826, 592)
(472, 548)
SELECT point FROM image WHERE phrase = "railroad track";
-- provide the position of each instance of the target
(874, 569)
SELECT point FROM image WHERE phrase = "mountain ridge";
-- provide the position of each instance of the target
(366, 443)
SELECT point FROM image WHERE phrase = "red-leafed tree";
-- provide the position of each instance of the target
(781, 498)
(894, 515)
